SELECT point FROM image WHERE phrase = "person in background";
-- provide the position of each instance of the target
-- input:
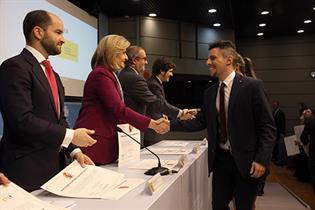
(4, 180)
(302, 108)
(162, 70)
(240, 65)
(137, 94)
(241, 131)
(36, 141)
(279, 118)
(308, 138)
(249, 68)
(103, 107)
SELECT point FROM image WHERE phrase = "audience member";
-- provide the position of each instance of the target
(102, 104)
(308, 138)
(240, 65)
(279, 118)
(249, 68)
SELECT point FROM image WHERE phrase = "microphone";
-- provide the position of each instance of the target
(154, 170)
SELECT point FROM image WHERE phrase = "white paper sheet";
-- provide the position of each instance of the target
(290, 145)
(168, 143)
(88, 182)
(298, 129)
(14, 197)
(168, 151)
(150, 163)
(129, 150)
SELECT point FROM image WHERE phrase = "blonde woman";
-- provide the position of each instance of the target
(102, 104)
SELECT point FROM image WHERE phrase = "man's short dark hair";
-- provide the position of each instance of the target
(227, 47)
(222, 44)
(34, 18)
(162, 64)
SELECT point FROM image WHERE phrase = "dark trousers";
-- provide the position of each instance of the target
(227, 183)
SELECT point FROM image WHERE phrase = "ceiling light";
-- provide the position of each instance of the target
(152, 15)
(216, 24)
(262, 24)
(300, 31)
(212, 10)
(307, 21)
(260, 34)
(313, 8)
(265, 12)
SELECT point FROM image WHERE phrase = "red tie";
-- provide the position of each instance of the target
(223, 133)
(52, 81)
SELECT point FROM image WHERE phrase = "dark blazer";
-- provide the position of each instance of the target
(102, 109)
(308, 137)
(30, 147)
(250, 123)
(279, 118)
(136, 92)
(156, 110)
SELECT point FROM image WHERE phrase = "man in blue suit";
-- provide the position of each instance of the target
(241, 131)
(36, 141)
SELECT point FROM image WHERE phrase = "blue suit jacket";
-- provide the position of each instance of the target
(250, 124)
(30, 147)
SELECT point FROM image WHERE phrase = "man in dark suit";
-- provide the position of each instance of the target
(240, 127)
(135, 88)
(162, 70)
(279, 117)
(308, 137)
(36, 141)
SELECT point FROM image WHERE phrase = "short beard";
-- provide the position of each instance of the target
(50, 47)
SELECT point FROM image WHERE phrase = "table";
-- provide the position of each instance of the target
(186, 190)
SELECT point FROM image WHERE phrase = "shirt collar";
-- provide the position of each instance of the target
(229, 79)
(134, 70)
(159, 79)
(39, 57)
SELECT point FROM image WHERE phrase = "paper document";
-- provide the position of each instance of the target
(291, 147)
(150, 163)
(14, 197)
(129, 150)
(89, 182)
(168, 151)
(298, 131)
(173, 143)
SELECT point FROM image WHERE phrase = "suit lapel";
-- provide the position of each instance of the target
(40, 75)
(160, 85)
(237, 84)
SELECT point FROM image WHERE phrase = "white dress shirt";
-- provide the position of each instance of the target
(227, 91)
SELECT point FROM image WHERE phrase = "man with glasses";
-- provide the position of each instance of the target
(136, 92)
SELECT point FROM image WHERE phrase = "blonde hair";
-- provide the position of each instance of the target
(107, 50)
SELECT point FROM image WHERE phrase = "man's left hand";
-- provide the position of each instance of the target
(257, 170)
(83, 159)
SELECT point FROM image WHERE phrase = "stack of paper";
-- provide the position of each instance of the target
(14, 197)
(90, 182)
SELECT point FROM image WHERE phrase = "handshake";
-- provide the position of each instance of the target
(160, 126)
(188, 114)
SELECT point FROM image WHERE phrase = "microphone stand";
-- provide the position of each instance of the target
(154, 170)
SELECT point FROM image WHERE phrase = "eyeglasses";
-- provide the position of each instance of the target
(144, 58)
